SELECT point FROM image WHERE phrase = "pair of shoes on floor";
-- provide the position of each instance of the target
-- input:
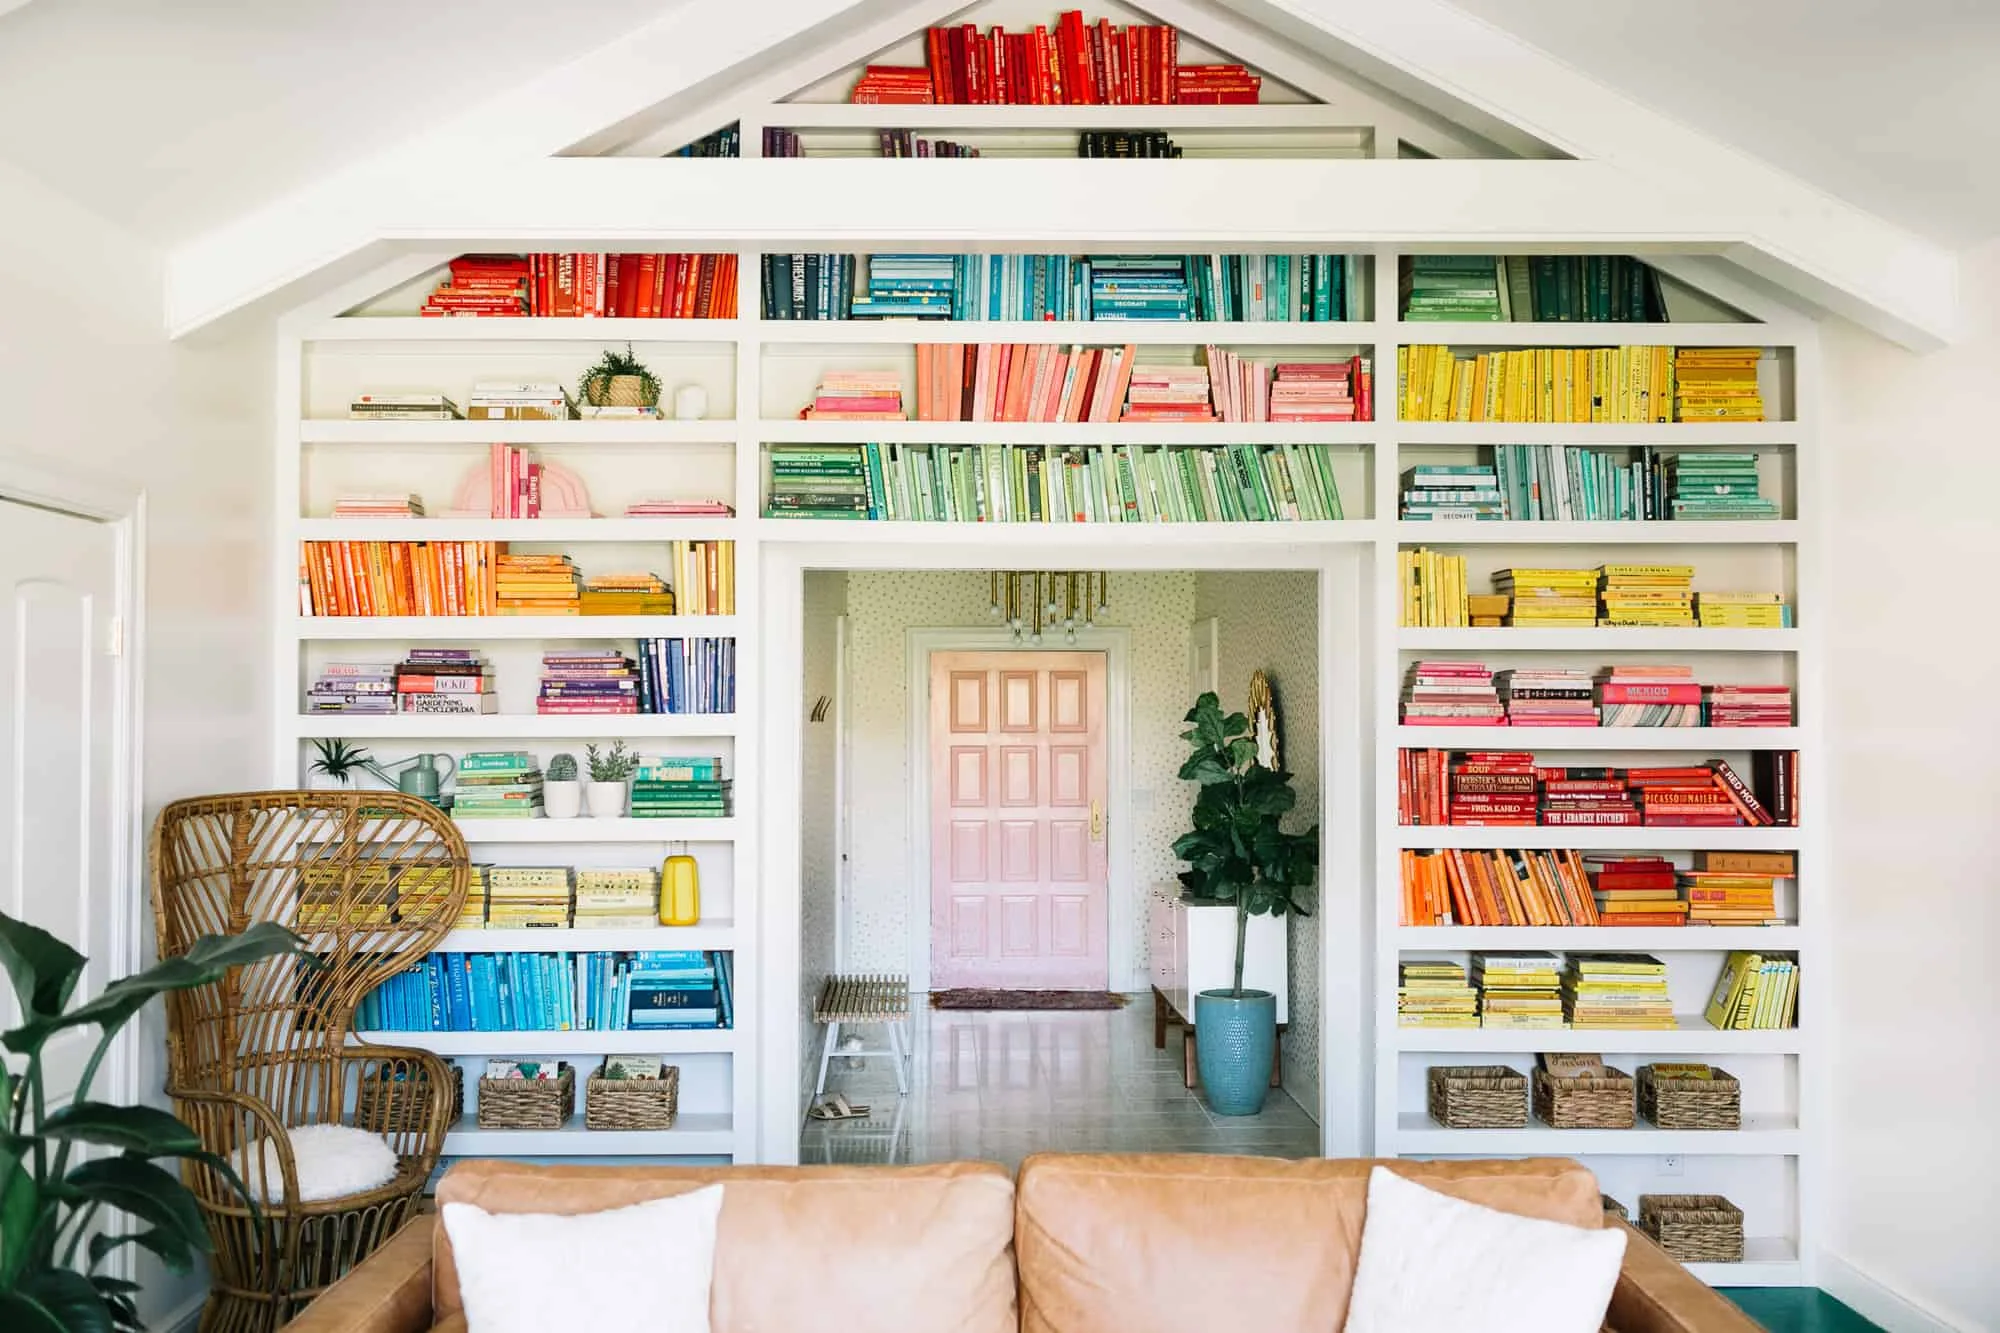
(833, 1106)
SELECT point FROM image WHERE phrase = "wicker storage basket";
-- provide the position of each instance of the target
(1694, 1228)
(527, 1103)
(1478, 1097)
(632, 1103)
(1715, 1102)
(1591, 1102)
(383, 1105)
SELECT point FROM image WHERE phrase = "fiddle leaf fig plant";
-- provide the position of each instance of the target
(53, 1233)
(1238, 852)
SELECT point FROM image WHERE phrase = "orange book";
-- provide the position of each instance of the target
(1408, 872)
(1586, 904)
(1513, 912)
(1126, 357)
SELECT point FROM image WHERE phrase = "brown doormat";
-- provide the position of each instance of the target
(1026, 999)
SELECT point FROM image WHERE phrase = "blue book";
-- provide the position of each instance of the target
(434, 992)
(458, 1002)
(486, 992)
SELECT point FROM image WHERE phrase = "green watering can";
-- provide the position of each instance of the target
(416, 776)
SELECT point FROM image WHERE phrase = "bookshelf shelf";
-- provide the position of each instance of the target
(1761, 1135)
(414, 328)
(1527, 333)
(478, 832)
(524, 726)
(1608, 639)
(564, 530)
(1607, 839)
(1693, 1037)
(673, 1041)
(1092, 333)
(1595, 938)
(703, 1135)
(513, 627)
(1768, 1261)
(1714, 740)
(977, 116)
(1603, 435)
(1423, 532)
(482, 433)
(1360, 433)
(719, 933)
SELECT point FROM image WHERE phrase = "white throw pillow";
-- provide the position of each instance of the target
(331, 1161)
(1434, 1264)
(647, 1266)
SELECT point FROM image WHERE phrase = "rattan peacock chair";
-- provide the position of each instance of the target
(372, 880)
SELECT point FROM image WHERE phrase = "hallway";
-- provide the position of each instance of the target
(998, 1086)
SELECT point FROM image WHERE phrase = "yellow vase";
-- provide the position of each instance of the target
(680, 892)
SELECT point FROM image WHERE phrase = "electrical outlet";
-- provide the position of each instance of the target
(1670, 1165)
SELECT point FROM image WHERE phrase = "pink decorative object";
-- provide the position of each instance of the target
(510, 485)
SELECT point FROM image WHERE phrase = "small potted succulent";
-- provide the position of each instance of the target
(609, 770)
(619, 379)
(562, 793)
(338, 762)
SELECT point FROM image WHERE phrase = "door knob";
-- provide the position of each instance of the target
(1097, 821)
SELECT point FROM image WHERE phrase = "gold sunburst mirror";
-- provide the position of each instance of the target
(1264, 721)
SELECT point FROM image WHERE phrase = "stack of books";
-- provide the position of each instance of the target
(402, 407)
(1694, 797)
(1618, 385)
(1167, 393)
(821, 286)
(378, 506)
(1435, 995)
(553, 992)
(482, 285)
(478, 883)
(893, 85)
(1648, 595)
(630, 286)
(333, 896)
(1650, 696)
(668, 508)
(1625, 991)
(353, 687)
(902, 143)
(857, 395)
(520, 897)
(1315, 391)
(1549, 598)
(1454, 287)
(1491, 789)
(1518, 990)
(1549, 697)
(534, 585)
(1138, 287)
(1488, 610)
(1451, 694)
(587, 682)
(687, 675)
(1215, 85)
(617, 899)
(445, 682)
(1637, 891)
(1717, 384)
(1586, 797)
(1451, 491)
(498, 784)
(1743, 610)
(1717, 486)
(1495, 888)
(1747, 705)
(1756, 990)
(520, 400)
(705, 577)
(809, 481)
(1731, 898)
(1023, 382)
(675, 787)
(665, 989)
(1548, 482)
(422, 890)
(899, 287)
(1433, 584)
(630, 594)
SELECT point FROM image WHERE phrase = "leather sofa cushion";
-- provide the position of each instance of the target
(1189, 1244)
(917, 1248)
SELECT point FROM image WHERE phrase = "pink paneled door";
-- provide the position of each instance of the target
(1019, 884)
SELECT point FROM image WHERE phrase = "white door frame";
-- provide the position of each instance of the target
(122, 509)
(1116, 645)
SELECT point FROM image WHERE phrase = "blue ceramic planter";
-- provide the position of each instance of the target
(1235, 1041)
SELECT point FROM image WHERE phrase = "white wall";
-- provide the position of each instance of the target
(1913, 717)
(819, 882)
(882, 607)
(92, 388)
(1267, 622)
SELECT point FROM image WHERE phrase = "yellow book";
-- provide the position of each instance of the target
(1482, 389)
(1440, 387)
(1729, 988)
(1463, 375)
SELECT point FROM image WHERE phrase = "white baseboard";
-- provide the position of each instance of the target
(183, 1318)
(1876, 1301)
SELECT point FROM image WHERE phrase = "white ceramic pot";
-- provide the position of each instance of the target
(562, 800)
(606, 799)
(690, 402)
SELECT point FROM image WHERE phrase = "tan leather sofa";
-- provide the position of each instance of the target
(1084, 1244)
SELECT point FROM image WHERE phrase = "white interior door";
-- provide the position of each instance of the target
(58, 711)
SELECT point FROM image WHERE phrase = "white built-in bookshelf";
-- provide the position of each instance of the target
(757, 374)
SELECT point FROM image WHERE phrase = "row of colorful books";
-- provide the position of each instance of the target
(1435, 595)
(439, 682)
(1507, 989)
(385, 578)
(588, 284)
(1756, 990)
(1000, 483)
(1624, 385)
(1452, 693)
(1454, 887)
(1503, 788)
(593, 991)
(1556, 288)
(555, 897)
(1075, 63)
(1550, 482)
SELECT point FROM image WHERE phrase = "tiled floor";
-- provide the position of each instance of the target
(998, 1086)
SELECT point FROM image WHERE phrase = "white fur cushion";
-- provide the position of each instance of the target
(331, 1160)
(647, 1266)
(1434, 1264)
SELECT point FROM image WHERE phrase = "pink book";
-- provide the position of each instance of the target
(982, 383)
(1124, 376)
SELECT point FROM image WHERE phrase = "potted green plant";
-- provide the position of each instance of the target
(54, 1233)
(562, 793)
(619, 379)
(609, 771)
(338, 761)
(1238, 853)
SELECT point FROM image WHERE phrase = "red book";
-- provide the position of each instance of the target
(937, 54)
(1611, 693)
(1170, 56)
(1100, 72)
